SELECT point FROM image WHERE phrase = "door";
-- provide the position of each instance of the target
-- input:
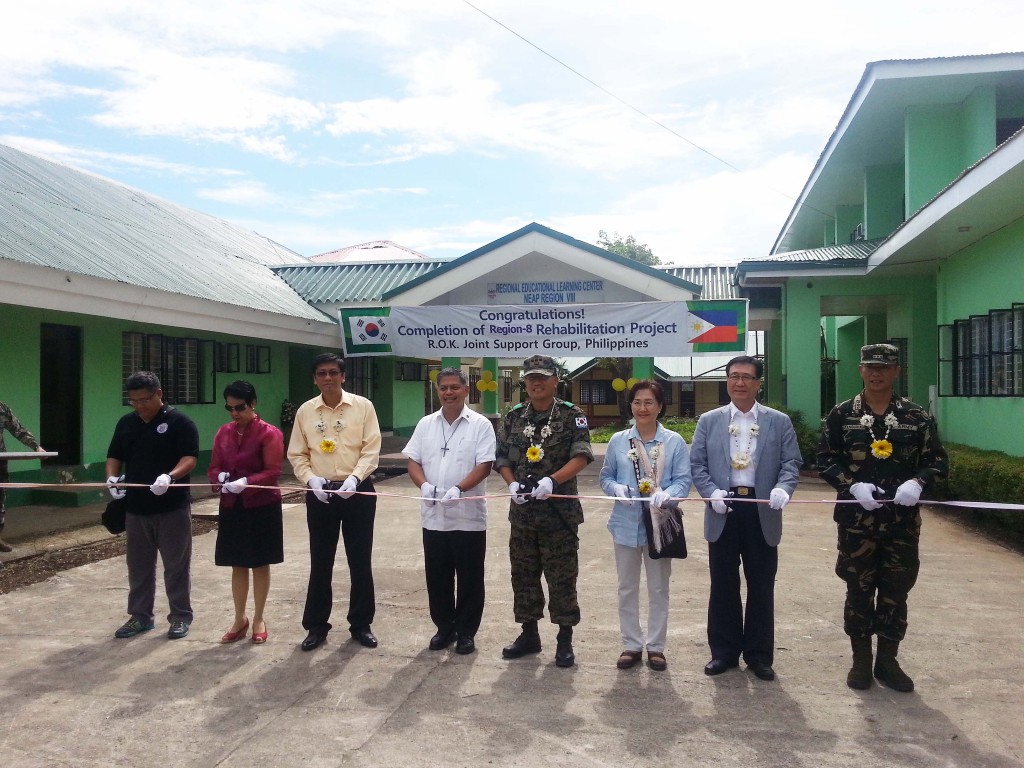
(60, 392)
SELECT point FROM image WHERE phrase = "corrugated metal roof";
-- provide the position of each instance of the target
(844, 254)
(715, 282)
(353, 281)
(55, 216)
(375, 250)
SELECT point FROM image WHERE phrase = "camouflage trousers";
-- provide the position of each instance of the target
(879, 564)
(555, 554)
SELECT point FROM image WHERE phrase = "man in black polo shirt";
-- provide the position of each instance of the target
(155, 446)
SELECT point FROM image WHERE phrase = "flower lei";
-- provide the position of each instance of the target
(328, 444)
(651, 477)
(535, 452)
(880, 448)
(741, 458)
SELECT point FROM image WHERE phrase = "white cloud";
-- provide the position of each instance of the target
(246, 193)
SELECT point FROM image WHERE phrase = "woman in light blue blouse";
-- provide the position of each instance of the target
(645, 460)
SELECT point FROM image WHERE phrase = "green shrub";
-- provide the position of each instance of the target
(678, 424)
(991, 476)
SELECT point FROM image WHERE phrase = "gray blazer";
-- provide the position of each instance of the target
(777, 465)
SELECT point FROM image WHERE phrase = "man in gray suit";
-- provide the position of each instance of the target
(741, 453)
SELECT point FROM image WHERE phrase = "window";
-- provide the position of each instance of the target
(184, 366)
(507, 387)
(900, 385)
(410, 371)
(358, 373)
(474, 393)
(983, 355)
(597, 392)
(226, 357)
(257, 359)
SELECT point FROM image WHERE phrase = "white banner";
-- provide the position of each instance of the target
(646, 329)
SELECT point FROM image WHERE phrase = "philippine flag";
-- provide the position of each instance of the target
(368, 329)
(715, 326)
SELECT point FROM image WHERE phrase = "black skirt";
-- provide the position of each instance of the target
(250, 538)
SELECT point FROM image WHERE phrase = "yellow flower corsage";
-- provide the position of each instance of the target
(645, 486)
(534, 453)
(881, 449)
(327, 445)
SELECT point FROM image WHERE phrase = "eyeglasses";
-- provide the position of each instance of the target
(645, 403)
(744, 377)
(140, 400)
(235, 408)
(325, 374)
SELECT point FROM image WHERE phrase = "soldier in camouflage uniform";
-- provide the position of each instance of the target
(542, 445)
(9, 422)
(879, 444)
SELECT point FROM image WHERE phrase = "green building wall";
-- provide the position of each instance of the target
(983, 277)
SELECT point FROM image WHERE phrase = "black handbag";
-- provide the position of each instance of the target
(113, 516)
(665, 536)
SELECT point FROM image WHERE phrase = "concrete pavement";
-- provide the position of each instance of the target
(74, 696)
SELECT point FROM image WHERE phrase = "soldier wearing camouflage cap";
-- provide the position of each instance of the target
(881, 450)
(541, 446)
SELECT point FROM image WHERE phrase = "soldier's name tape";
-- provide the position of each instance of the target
(293, 488)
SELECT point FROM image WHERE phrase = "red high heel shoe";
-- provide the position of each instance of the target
(231, 637)
(259, 638)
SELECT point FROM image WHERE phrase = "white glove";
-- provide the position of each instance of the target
(517, 497)
(160, 485)
(717, 504)
(863, 492)
(236, 486)
(908, 494)
(428, 492)
(349, 487)
(545, 487)
(112, 481)
(621, 492)
(451, 496)
(660, 498)
(223, 477)
(317, 484)
(778, 498)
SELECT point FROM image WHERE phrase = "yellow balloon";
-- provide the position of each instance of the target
(632, 383)
(481, 385)
(493, 385)
(618, 385)
(433, 376)
(487, 376)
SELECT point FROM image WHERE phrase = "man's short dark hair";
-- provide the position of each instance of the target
(243, 390)
(329, 357)
(746, 360)
(146, 380)
(453, 371)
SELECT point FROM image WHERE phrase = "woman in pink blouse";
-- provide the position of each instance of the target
(247, 452)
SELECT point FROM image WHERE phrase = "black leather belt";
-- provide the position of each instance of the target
(743, 490)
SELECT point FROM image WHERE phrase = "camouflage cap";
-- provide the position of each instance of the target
(879, 354)
(539, 365)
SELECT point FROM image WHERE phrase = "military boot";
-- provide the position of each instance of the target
(564, 657)
(859, 676)
(527, 642)
(887, 669)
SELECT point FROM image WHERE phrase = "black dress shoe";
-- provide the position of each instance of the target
(564, 657)
(762, 670)
(522, 645)
(314, 639)
(442, 640)
(465, 645)
(365, 637)
(718, 666)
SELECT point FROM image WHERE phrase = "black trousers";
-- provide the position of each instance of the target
(731, 632)
(353, 519)
(454, 564)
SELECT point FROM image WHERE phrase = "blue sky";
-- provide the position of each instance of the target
(327, 123)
